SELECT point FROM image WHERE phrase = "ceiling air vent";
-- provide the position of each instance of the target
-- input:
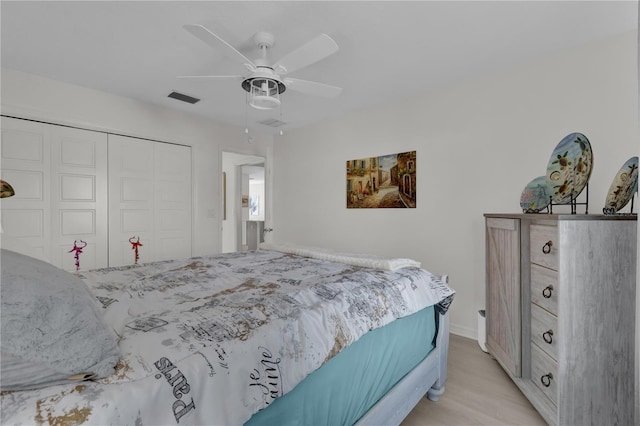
(272, 122)
(184, 98)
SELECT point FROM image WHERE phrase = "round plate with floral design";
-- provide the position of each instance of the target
(624, 185)
(569, 168)
(535, 196)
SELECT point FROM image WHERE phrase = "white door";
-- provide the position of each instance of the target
(79, 198)
(149, 200)
(172, 171)
(26, 166)
(60, 178)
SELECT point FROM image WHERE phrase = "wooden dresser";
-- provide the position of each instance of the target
(560, 312)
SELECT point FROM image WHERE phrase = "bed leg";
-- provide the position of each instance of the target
(435, 393)
(442, 344)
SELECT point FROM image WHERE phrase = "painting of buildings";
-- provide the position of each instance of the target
(388, 181)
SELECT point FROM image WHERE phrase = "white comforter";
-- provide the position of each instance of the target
(212, 340)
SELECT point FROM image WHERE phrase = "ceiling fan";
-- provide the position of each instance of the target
(264, 81)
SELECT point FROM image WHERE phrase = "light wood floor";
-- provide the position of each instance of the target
(478, 392)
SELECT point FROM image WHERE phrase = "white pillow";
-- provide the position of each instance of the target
(52, 327)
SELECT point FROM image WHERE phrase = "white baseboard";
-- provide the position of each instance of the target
(470, 333)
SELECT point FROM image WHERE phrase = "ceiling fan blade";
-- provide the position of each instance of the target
(218, 43)
(307, 54)
(312, 88)
(237, 77)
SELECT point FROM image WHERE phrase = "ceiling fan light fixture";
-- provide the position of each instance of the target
(264, 92)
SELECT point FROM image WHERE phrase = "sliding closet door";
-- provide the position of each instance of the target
(131, 199)
(172, 171)
(59, 175)
(149, 200)
(79, 197)
(26, 166)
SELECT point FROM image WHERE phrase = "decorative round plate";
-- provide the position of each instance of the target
(535, 195)
(569, 168)
(624, 185)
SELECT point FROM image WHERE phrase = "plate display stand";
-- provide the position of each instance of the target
(543, 211)
(573, 202)
(612, 211)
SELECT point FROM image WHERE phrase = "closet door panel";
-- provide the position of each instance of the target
(26, 164)
(24, 141)
(31, 183)
(172, 201)
(131, 199)
(29, 222)
(150, 199)
(79, 192)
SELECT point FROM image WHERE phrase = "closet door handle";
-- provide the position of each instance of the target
(548, 336)
(546, 292)
(546, 248)
(546, 380)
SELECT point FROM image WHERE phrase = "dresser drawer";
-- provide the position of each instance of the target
(544, 245)
(544, 373)
(544, 288)
(544, 332)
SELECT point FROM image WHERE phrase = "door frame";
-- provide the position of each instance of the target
(231, 198)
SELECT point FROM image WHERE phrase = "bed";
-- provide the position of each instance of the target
(279, 335)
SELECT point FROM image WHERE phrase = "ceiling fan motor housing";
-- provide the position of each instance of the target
(264, 74)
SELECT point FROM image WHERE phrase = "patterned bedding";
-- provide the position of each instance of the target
(213, 340)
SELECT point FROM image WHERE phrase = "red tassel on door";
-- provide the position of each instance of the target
(134, 246)
(78, 250)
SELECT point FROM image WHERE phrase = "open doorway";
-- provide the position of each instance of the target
(244, 201)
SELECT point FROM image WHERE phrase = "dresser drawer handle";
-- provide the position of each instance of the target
(546, 380)
(546, 292)
(548, 336)
(546, 249)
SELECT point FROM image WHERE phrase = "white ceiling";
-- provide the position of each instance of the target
(388, 50)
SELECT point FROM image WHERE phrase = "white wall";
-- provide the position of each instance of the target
(478, 144)
(29, 96)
